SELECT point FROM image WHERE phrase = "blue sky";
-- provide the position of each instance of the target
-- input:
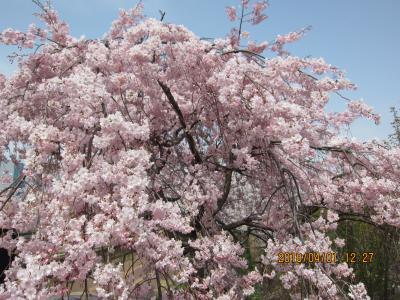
(361, 37)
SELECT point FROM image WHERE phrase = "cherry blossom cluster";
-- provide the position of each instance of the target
(151, 157)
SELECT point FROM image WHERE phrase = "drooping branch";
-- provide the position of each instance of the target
(227, 187)
(321, 148)
(11, 186)
(245, 52)
(241, 23)
(175, 106)
(12, 192)
(277, 189)
(159, 292)
(249, 221)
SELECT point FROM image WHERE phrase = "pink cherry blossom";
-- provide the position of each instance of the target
(151, 157)
(231, 12)
(257, 13)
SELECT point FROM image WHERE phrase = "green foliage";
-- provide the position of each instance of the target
(379, 275)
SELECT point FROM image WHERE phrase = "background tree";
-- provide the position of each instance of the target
(152, 157)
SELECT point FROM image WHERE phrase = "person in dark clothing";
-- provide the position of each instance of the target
(5, 261)
(5, 258)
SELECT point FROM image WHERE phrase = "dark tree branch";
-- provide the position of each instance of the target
(244, 51)
(359, 218)
(189, 137)
(159, 292)
(227, 187)
(247, 221)
(241, 23)
(316, 79)
(12, 192)
(270, 198)
(258, 236)
(321, 148)
(160, 194)
(162, 15)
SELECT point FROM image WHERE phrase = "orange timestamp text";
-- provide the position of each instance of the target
(307, 257)
(325, 257)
